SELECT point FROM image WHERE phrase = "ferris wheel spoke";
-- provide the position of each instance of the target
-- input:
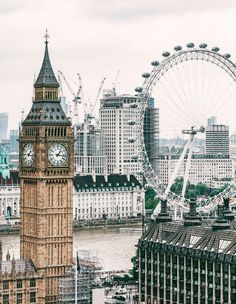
(182, 84)
(189, 87)
(214, 86)
(226, 93)
(178, 100)
(170, 101)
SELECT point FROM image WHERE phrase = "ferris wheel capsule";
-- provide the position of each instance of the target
(178, 48)
(155, 63)
(215, 49)
(166, 54)
(227, 55)
(138, 89)
(145, 75)
(203, 45)
(134, 157)
(190, 45)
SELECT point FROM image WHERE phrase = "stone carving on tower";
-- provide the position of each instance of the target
(46, 172)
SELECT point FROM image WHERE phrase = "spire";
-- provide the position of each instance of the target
(8, 257)
(46, 77)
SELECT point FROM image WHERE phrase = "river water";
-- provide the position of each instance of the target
(113, 246)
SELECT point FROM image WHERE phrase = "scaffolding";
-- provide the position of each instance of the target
(77, 286)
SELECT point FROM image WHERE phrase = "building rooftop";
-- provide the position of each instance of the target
(46, 113)
(13, 180)
(100, 182)
(46, 77)
(218, 236)
(19, 266)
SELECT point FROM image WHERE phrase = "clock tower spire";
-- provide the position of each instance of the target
(46, 171)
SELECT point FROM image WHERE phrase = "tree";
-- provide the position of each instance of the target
(134, 270)
(150, 200)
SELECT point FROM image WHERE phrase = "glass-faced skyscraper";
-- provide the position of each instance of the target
(3, 126)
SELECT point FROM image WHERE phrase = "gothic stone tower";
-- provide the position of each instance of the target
(46, 172)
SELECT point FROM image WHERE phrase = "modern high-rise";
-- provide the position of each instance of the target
(46, 146)
(120, 124)
(217, 139)
(151, 133)
(119, 119)
(211, 121)
(3, 126)
(14, 148)
(90, 156)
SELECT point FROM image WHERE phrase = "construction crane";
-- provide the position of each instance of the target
(89, 113)
(115, 83)
(77, 96)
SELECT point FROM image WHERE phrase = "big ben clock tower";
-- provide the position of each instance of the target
(46, 172)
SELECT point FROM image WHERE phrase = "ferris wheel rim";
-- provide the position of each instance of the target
(145, 91)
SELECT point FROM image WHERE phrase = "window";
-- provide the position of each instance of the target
(19, 298)
(33, 297)
(5, 285)
(32, 283)
(5, 299)
(19, 284)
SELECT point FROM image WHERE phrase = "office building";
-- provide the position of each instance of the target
(217, 140)
(3, 126)
(190, 262)
(14, 149)
(120, 124)
(212, 170)
(151, 133)
(211, 121)
(90, 155)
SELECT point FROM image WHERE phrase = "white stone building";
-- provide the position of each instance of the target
(217, 140)
(212, 170)
(9, 198)
(113, 197)
(90, 156)
(119, 119)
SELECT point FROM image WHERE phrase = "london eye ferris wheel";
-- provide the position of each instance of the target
(189, 85)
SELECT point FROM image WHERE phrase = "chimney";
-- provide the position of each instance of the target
(163, 216)
(192, 218)
(228, 215)
(220, 223)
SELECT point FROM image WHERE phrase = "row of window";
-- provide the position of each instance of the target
(19, 298)
(19, 284)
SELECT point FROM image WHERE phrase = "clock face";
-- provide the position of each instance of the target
(28, 155)
(57, 155)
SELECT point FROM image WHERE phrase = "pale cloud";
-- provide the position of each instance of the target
(96, 38)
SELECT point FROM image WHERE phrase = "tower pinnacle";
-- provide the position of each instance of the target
(46, 77)
(46, 36)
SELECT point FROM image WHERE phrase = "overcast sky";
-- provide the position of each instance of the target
(97, 37)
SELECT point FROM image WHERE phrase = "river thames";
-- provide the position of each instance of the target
(113, 246)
